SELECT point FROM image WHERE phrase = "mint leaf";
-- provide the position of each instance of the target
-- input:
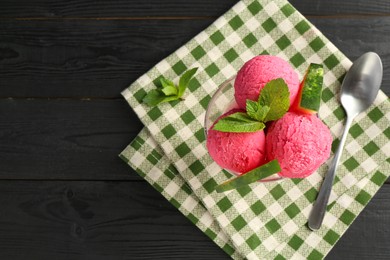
(262, 113)
(168, 87)
(168, 91)
(276, 96)
(166, 82)
(254, 175)
(184, 80)
(251, 108)
(154, 97)
(256, 111)
(238, 123)
(234, 126)
(241, 116)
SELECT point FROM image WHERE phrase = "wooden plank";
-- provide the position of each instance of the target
(118, 8)
(99, 58)
(156, 8)
(95, 220)
(66, 139)
(341, 8)
(130, 220)
(84, 58)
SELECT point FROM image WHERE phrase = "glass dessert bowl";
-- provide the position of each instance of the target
(263, 125)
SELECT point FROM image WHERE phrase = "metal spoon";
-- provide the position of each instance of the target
(358, 91)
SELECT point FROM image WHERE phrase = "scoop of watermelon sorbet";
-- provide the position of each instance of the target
(237, 152)
(257, 72)
(301, 144)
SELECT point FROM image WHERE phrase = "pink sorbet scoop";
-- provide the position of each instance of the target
(301, 143)
(258, 71)
(238, 152)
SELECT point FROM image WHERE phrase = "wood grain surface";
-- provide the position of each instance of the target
(64, 192)
(99, 58)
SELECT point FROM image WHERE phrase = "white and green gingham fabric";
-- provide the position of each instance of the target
(262, 220)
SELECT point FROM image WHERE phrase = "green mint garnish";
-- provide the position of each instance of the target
(238, 123)
(272, 104)
(276, 96)
(155, 97)
(168, 87)
(254, 175)
(256, 111)
(168, 90)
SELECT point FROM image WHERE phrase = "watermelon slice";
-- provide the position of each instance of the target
(310, 90)
(254, 175)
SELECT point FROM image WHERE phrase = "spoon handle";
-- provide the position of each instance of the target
(319, 208)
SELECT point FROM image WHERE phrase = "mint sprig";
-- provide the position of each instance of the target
(272, 104)
(168, 91)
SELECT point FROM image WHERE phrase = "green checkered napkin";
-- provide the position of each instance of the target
(264, 220)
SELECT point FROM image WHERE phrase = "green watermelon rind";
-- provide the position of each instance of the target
(312, 88)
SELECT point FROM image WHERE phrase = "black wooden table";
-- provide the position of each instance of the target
(64, 193)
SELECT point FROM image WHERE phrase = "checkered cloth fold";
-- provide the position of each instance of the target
(263, 220)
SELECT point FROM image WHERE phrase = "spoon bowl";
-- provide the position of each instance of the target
(361, 84)
(358, 91)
